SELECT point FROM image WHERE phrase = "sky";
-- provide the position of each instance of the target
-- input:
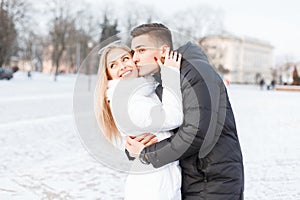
(276, 22)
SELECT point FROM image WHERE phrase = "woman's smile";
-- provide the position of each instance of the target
(126, 73)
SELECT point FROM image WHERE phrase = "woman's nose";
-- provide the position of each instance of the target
(122, 66)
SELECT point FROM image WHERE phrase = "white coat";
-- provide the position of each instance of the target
(137, 109)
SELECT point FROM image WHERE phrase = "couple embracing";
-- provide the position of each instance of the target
(177, 119)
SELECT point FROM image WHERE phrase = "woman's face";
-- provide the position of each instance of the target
(120, 65)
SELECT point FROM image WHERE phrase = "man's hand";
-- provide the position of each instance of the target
(135, 145)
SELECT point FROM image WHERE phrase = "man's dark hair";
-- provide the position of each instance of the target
(158, 32)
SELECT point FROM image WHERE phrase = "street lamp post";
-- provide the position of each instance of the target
(90, 46)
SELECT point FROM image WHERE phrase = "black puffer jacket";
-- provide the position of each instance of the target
(206, 143)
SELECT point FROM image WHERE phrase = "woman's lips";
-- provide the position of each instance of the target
(126, 73)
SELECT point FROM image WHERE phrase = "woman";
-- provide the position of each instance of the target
(145, 110)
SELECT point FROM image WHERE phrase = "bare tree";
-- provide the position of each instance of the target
(12, 16)
(8, 34)
(86, 34)
(32, 50)
(137, 14)
(198, 21)
(62, 26)
(71, 30)
(77, 48)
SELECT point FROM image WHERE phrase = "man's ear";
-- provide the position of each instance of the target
(164, 49)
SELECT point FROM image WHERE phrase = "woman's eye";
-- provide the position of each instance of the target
(112, 66)
(125, 58)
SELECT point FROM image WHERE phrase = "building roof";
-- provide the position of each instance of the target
(229, 35)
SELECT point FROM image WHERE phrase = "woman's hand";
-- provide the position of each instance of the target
(172, 59)
(135, 145)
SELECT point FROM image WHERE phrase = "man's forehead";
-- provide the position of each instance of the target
(141, 41)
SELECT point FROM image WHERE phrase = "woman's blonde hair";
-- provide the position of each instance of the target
(103, 112)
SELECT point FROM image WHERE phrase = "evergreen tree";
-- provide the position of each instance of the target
(296, 78)
(108, 30)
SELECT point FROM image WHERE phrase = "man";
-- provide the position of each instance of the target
(206, 144)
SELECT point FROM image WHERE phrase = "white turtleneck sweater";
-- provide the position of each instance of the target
(137, 109)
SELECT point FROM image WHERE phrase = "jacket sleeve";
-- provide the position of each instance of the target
(190, 135)
(152, 115)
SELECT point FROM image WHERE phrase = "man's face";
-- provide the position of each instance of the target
(144, 52)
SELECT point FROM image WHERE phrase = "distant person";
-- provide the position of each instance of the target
(28, 68)
(262, 83)
(273, 84)
(29, 74)
(268, 84)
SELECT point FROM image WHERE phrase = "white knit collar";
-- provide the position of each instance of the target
(144, 85)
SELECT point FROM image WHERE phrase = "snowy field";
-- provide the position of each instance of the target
(41, 155)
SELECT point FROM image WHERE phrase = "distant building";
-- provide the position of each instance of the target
(239, 60)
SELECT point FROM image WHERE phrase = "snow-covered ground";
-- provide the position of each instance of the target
(41, 155)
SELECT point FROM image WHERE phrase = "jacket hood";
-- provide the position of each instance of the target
(191, 52)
